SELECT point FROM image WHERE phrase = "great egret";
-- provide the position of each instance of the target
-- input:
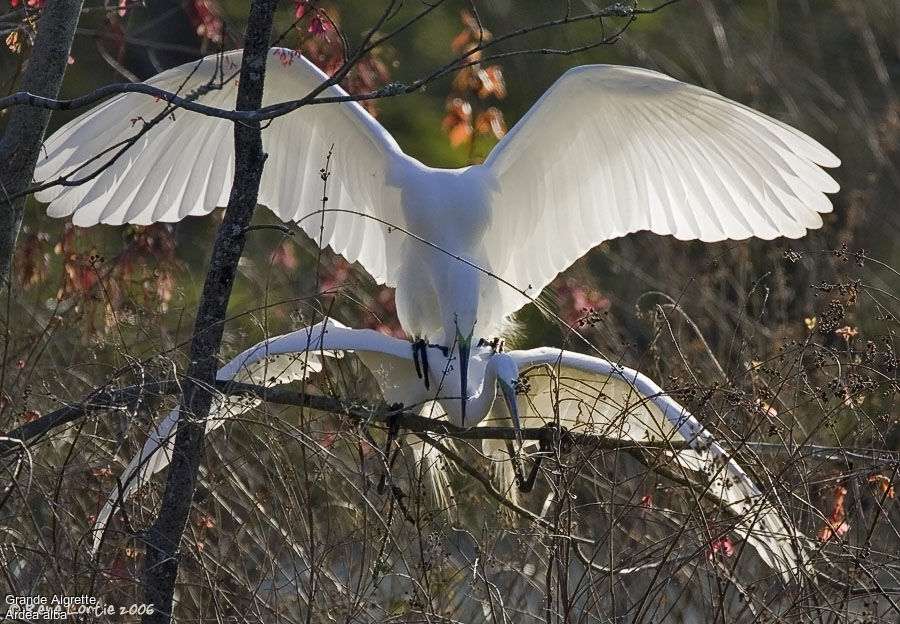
(607, 150)
(585, 394)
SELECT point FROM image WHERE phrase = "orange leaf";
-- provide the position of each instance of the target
(491, 122)
(846, 332)
(458, 122)
(461, 41)
(833, 530)
(13, 42)
(491, 82)
(460, 134)
(883, 483)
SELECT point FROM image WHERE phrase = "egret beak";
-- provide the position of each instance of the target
(465, 348)
(509, 395)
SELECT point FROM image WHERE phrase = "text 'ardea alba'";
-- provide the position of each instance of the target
(585, 394)
(607, 150)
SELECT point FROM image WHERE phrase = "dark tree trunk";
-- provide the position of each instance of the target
(163, 538)
(21, 143)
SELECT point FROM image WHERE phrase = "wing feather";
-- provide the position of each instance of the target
(279, 360)
(611, 150)
(591, 395)
(184, 164)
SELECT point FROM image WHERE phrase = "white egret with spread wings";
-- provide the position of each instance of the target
(606, 151)
(541, 386)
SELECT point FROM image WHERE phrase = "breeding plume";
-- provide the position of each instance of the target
(582, 393)
(607, 150)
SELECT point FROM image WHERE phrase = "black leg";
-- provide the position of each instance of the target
(524, 485)
(389, 457)
(443, 349)
(420, 360)
(552, 437)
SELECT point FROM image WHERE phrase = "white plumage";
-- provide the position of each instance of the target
(606, 151)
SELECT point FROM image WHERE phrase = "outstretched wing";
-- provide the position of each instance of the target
(591, 395)
(184, 164)
(281, 360)
(610, 150)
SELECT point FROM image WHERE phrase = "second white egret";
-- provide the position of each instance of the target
(582, 393)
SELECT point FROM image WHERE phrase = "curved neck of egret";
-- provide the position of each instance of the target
(479, 403)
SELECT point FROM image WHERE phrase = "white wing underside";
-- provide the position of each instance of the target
(611, 150)
(590, 395)
(184, 165)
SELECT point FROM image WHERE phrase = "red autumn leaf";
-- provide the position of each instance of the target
(460, 134)
(833, 530)
(319, 26)
(122, 7)
(118, 569)
(284, 256)
(721, 546)
(461, 41)
(836, 526)
(205, 17)
(465, 81)
(471, 24)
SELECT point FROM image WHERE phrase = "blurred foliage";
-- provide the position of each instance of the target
(788, 343)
